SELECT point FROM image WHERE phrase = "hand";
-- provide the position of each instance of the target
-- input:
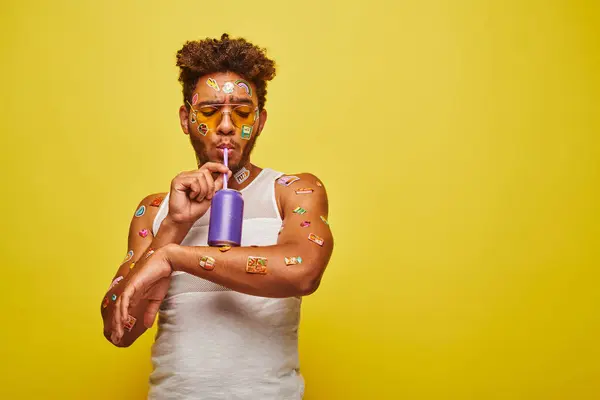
(149, 282)
(192, 192)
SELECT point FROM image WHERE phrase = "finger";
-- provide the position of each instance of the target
(210, 183)
(125, 300)
(203, 188)
(150, 314)
(215, 167)
(117, 320)
(195, 187)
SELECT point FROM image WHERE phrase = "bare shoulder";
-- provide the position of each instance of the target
(300, 187)
(148, 207)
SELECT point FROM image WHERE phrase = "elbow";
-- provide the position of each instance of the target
(308, 284)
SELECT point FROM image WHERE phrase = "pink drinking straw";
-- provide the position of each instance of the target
(225, 161)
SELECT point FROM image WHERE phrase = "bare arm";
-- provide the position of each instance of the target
(140, 241)
(292, 267)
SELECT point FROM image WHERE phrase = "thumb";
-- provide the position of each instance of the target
(219, 181)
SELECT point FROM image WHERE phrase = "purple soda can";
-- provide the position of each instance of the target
(226, 217)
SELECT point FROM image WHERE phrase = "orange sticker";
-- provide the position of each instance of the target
(316, 239)
(157, 202)
(256, 265)
(130, 323)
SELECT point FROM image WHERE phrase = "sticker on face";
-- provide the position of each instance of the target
(304, 191)
(228, 87)
(157, 202)
(246, 132)
(316, 239)
(130, 323)
(203, 129)
(256, 265)
(287, 180)
(195, 99)
(140, 211)
(208, 263)
(143, 233)
(128, 257)
(213, 84)
(305, 224)
(299, 210)
(241, 175)
(244, 85)
(292, 260)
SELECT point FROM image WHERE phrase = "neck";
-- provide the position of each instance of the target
(244, 179)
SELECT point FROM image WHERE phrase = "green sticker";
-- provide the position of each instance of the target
(246, 132)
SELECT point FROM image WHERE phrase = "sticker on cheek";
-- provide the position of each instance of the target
(241, 175)
(157, 202)
(228, 87)
(246, 132)
(304, 191)
(244, 85)
(292, 260)
(195, 99)
(287, 180)
(128, 257)
(299, 210)
(305, 224)
(140, 211)
(256, 265)
(208, 263)
(203, 129)
(316, 239)
(130, 323)
(143, 233)
(213, 84)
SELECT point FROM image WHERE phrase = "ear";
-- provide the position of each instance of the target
(183, 119)
(262, 119)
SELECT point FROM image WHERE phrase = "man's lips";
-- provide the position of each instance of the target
(229, 146)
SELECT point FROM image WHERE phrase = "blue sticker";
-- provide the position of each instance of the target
(114, 297)
(140, 211)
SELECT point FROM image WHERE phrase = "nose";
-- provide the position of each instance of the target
(226, 126)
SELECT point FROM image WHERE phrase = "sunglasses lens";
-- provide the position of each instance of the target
(242, 115)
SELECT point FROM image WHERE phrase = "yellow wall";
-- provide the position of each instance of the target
(458, 141)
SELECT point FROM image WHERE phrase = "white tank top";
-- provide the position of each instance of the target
(215, 343)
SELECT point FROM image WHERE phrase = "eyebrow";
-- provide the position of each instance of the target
(233, 100)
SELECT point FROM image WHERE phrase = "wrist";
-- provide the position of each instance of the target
(172, 231)
(170, 253)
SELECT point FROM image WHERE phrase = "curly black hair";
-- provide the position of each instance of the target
(200, 57)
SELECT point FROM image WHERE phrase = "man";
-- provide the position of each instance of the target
(229, 316)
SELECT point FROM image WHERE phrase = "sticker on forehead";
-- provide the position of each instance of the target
(246, 132)
(244, 85)
(241, 175)
(228, 87)
(195, 99)
(203, 129)
(213, 84)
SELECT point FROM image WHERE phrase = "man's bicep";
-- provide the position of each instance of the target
(305, 210)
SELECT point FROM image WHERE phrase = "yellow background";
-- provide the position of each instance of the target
(458, 141)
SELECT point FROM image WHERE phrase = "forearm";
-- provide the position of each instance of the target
(169, 233)
(232, 271)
